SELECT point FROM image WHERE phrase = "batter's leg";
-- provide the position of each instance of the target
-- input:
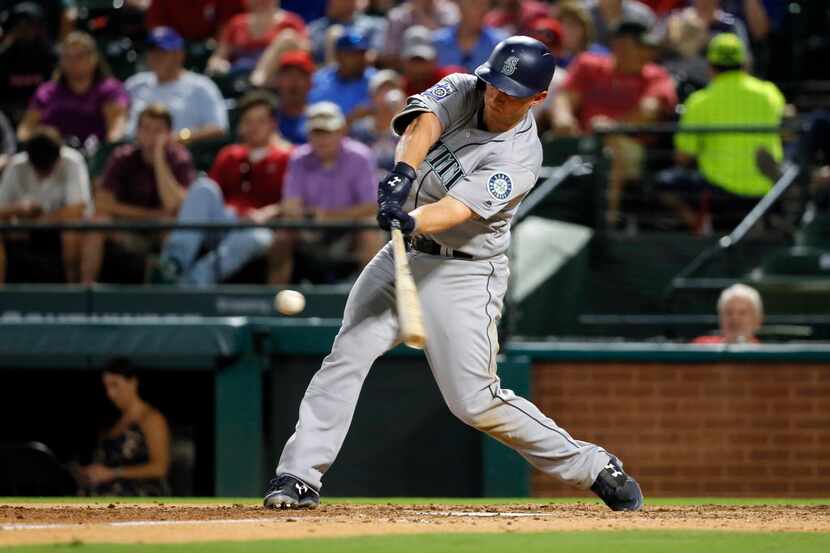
(370, 328)
(462, 302)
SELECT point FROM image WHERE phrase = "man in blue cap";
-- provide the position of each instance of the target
(194, 101)
(345, 83)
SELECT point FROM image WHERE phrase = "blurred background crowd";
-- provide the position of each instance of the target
(255, 110)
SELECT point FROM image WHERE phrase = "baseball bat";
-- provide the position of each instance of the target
(406, 295)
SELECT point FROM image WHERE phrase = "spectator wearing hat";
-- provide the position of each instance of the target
(292, 83)
(46, 182)
(469, 43)
(144, 180)
(344, 13)
(246, 182)
(194, 100)
(624, 87)
(733, 170)
(27, 58)
(430, 14)
(347, 82)
(420, 68)
(375, 130)
(332, 178)
(82, 100)
(515, 17)
(578, 33)
(608, 14)
(247, 35)
(194, 19)
(58, 16)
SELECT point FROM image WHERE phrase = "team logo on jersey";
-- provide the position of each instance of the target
(509, 66)
(440, 90)
(500, 186)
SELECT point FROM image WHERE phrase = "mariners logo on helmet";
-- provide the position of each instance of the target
(510, 65)
(500, 186)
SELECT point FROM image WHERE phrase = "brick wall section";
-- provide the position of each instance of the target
(697, 429)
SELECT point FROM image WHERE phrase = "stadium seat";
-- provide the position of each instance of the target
(31, 469)
(198, 54)
(232, 85)
(204, 151)
(814, 231)
(799, 260)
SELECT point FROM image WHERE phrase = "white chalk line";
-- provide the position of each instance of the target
(133, 523)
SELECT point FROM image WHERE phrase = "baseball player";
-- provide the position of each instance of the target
(468, 154)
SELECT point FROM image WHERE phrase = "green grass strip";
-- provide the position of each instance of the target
(560, 542)
(415, 500)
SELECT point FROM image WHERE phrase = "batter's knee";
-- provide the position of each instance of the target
(475, 411)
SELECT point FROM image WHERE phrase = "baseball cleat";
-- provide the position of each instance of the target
(287, 492)
(618, 490)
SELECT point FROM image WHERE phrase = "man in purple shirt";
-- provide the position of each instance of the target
(332, 178)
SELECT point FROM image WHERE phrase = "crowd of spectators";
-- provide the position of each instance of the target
(292, 102)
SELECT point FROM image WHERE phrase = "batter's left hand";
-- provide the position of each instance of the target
(394, 188)
(392, 212)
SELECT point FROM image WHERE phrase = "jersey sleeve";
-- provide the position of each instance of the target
(448, 99)
(492, 188)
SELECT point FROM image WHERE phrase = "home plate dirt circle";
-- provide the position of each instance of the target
(170, 523)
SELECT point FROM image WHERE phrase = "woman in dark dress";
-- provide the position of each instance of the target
(132, 457)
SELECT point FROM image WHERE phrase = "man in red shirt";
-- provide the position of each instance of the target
(146, 180)
(245, 183)
(194, 19)
(624, 87)
(740, 312)
(516, 17)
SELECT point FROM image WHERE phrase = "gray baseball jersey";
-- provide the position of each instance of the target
(488, 172)
(461, 300)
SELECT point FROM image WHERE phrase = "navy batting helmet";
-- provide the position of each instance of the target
(519, 66)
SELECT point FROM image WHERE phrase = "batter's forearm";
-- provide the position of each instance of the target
(440, 216)
(417, 139)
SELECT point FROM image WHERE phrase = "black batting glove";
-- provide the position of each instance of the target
(394, 188)
(390, 213)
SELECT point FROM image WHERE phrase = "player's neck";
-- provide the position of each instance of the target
(486, 123)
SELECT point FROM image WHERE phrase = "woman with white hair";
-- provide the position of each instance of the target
(740, 312)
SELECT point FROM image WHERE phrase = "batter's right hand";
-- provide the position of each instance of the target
(394, 188)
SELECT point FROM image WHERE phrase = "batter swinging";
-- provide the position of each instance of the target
(477, 154)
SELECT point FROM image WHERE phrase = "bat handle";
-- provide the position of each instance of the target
(395, 224)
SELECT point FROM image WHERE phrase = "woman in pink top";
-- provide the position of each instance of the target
(248, 35)
(81, 100)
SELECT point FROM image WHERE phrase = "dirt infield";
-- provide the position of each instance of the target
(157, 523)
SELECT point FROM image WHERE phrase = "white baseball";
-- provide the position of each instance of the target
(289, 302)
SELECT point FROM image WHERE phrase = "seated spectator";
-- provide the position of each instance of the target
(516, 17)
(733, 170)
(662, 8)
(82, 101)
(132, 457)
(470, 42)
(332, 178)
(194, 19)
(247, 35)
(347, 82)
(420, 67)
(346, 14)
(26, 59)
(375, 130)
(608, 14)
(643, 93)
(194, 100)
(578, 33)
(8, 144)
(145, 180)
(760, 17)
(293, 85)
(58, 16)
(47, 182)
(740, 313)
(687, 33)
(246, 182)
(431, 14)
